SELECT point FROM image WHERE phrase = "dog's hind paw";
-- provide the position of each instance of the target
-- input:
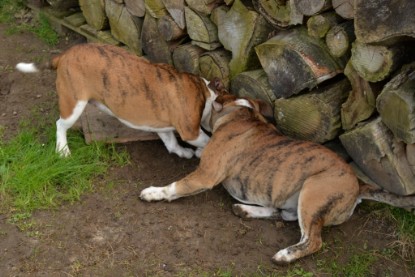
(282, 257)
(239, 211)
(63, 151)
(250, 211)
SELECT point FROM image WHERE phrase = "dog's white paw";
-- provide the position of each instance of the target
(282, 257)
(251, 211)
(159, 193)
(63, 151)
(198, 152)
(185, 153)
(239, 210)
(153, 194)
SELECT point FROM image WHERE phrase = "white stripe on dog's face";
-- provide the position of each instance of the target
(244, 103)
(208, 108)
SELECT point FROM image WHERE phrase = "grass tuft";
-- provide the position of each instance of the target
(19, 19)
(8, 9)
(298, 271)
(33, 176)
(359, 265)
(405, 220)
(44, 31)
(406, 233)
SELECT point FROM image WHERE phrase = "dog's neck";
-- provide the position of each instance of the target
(219, 118)
(237, 113)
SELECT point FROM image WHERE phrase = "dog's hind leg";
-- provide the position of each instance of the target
(325, 199)
(311, 223)
(250, 211)
(63, 124)
(310, 242)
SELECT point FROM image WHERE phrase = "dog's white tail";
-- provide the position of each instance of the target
(27, 67)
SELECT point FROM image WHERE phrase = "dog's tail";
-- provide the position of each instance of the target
(33, 68)
(371, 192)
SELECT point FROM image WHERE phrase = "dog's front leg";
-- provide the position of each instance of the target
(194, 183)
(200, 142)
(170, 141)
(159, 193)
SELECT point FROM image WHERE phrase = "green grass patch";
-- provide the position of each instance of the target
(44, 30)
(357, 265)
(405, 221)
(33, 176)
(8, 10)
(15, 14)
(298, 271)
(405, 243)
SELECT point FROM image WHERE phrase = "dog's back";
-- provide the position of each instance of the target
(270, 167)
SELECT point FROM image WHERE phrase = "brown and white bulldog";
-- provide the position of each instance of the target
(273, 174)
(142, 95)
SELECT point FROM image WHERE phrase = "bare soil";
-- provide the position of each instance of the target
(110, 232)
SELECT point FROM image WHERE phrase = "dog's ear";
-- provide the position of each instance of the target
(217, 86)
(265, 108)
(217, 106)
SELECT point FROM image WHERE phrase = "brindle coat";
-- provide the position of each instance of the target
(259, 166)
(131, 87)
(143, 95)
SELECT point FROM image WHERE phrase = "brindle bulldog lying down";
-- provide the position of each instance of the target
(274, 174)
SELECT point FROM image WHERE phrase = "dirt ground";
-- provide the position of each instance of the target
(110, 232)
